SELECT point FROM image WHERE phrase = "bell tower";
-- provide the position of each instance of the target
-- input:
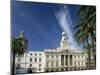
(24, 40)
(64, 41)
(21, 35)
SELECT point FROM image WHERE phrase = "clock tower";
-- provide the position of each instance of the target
(24, 40)
(64, 41)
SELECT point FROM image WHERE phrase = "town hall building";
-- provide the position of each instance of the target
(53, 60)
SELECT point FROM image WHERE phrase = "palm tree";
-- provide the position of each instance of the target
(86, 28)
(17, 49)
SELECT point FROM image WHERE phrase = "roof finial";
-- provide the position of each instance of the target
(21, 34)
(63, 33)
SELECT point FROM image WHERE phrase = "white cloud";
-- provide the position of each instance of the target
(64, 20)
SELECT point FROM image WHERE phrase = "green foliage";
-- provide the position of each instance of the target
(17, 46)
(86, 26)
(86, 30)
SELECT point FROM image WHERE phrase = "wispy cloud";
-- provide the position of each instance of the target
(64, 20)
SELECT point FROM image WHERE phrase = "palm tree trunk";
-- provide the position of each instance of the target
(13, 64)
(89, 55)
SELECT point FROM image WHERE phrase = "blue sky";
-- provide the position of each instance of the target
(43, 23)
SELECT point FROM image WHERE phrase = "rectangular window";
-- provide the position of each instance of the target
(36, 54)
(39, 65)
(30, 65)
(35, 59)
(30, 59)
(31, 54)
(57, 56)
(40, 54)
(39, 69)
(39, 59)
(52, 56)
(47, 56)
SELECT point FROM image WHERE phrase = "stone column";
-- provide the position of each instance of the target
(50, 57)
(54, 60)
(68, 60)
(59, 61)
(64, 60)
(76, 61)
(81, 60)
(73, 60)
(84, 61)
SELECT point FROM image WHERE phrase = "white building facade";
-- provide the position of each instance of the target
(54, 60)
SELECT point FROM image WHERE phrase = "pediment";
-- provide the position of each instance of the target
(65, 51)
